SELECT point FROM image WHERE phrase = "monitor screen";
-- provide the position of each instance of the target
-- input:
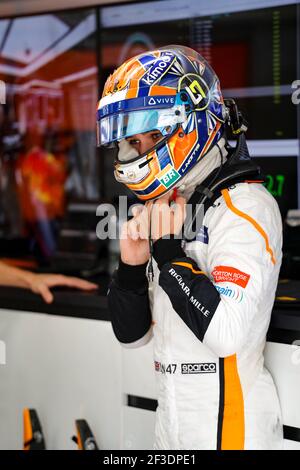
(281, 180)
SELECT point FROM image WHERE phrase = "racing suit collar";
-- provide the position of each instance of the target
(202, 170)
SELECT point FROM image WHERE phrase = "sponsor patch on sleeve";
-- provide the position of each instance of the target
(202, 235)
(235, 293)
(230, 274)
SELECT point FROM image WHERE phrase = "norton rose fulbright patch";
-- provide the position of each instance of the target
(229, 274)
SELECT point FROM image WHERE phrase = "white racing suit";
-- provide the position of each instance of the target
(211, 308)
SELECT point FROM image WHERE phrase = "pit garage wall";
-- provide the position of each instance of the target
(68, 368)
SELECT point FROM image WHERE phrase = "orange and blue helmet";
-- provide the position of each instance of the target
(172, 90)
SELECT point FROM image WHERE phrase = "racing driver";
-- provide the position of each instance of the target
(203, 285)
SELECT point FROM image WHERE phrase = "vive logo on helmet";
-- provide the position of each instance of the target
(166, 101)
(158, 69)
(168, 176)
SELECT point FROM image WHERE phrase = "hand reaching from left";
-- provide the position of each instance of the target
(41, 284)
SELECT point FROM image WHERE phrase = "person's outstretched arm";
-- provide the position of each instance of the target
(40, 283)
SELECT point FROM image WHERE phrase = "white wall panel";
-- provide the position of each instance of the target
(66, 368)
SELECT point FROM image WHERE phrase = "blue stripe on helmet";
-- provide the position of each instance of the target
(163, 156)
(148, 190)
(147, 60)
(144, 90)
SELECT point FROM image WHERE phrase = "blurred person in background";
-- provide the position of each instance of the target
(41, 175)
(37, 160)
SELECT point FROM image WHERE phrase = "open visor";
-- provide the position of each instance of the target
(119, 126)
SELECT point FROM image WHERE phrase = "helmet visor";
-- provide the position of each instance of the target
(122, 125)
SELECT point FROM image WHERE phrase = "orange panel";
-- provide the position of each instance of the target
(233, 430)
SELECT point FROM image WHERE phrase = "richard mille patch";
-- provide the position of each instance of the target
(199, 368)
(187, 291)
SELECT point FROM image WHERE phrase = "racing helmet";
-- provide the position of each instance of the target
(173, 90)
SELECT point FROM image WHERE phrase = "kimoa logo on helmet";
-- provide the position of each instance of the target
(158, 69)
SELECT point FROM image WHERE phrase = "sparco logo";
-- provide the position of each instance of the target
(200, 368)
(158, 69)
